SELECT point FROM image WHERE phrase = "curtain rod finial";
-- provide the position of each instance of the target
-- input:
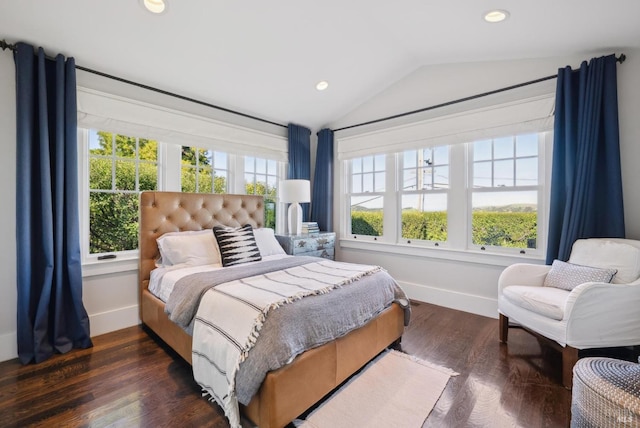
(621, 58)
(4, 45)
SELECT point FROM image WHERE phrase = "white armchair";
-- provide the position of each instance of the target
(591, 315)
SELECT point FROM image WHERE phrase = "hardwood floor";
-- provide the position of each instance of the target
(130, 379)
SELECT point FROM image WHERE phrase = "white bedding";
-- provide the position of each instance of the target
(231, 315)
(164, 278)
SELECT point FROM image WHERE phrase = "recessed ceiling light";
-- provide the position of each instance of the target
(322, 85)
(496, 15)
(155, 6)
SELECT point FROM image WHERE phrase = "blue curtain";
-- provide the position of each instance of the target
(586, 183)
(51, 317)
(300, 158)
(322, 206)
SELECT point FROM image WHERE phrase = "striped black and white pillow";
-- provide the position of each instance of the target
(237, 245)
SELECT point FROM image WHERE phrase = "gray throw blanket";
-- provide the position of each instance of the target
(292, 328)
(183, 302)
(313, 321)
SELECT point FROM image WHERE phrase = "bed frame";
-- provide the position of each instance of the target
(291, 390)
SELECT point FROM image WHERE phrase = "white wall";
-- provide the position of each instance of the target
(110, 291)
(472, 286)
(110, 296)
(111, 299)
(629, 109)
(8, 288)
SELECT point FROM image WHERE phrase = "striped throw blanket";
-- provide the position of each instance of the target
(230, 317)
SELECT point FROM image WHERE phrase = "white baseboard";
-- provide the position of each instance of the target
(101, 323)
(452, 299)
(106, 322)
(8, 346)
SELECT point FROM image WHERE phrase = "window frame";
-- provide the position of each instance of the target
(84, 191)
(459, 210)
(255, 173)
(171, 126)
(389, 185)
(541, 224)
(169, 179)
(401, 168)
(280, 211)
(197, 168)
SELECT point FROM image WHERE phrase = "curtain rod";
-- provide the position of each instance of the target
(619, 59)
(4, 45)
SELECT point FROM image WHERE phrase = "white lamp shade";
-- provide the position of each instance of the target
(294, 191)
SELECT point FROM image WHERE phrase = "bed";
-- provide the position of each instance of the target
(289, 391)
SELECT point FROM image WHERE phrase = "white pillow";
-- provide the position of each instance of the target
(568, 276)
(267, 242)
(192, 248)
(602, 253)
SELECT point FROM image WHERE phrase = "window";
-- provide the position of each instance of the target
(126, 146)
(472, 176)
(204, 171)
(484, 195)
(424, 192)
(119, 168)
(366, 195)
(504, 195)
(261, 178)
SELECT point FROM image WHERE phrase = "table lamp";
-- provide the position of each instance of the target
(294, 192)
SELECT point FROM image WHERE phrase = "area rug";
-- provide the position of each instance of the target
(394, 390)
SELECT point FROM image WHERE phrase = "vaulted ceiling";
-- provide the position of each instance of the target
(265, 58)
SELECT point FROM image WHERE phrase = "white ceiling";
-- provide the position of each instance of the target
(264, 58)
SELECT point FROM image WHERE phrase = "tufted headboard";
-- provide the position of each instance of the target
(163, 212)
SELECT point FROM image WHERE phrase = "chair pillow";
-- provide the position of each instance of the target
(193, 248)
(267, 242)
(567, 276)
(603, 253)
(237, 245)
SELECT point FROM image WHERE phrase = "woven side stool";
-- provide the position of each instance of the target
(606, 393)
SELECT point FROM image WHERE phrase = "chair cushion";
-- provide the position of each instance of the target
(546, 301)
(602, 253)
(568, 276)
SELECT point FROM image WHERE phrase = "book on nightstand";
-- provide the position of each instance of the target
(310, 227)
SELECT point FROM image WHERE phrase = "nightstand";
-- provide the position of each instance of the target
(318, 244)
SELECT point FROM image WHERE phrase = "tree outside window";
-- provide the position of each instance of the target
(120, 167)
(505, 191)
(203, 170)
(366, 198)
(425, 185)
(261, 178)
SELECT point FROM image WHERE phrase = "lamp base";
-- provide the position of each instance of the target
(295, 219)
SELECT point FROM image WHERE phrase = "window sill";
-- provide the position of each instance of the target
(443, 253)
(105, 267)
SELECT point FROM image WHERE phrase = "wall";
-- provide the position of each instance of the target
(110, 295)
(471, 285)
(110, 290)
(8, 289)
(111, 298)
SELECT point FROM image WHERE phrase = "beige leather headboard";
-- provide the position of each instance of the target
(163, 212)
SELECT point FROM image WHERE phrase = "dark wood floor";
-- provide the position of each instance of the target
(127, 379)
